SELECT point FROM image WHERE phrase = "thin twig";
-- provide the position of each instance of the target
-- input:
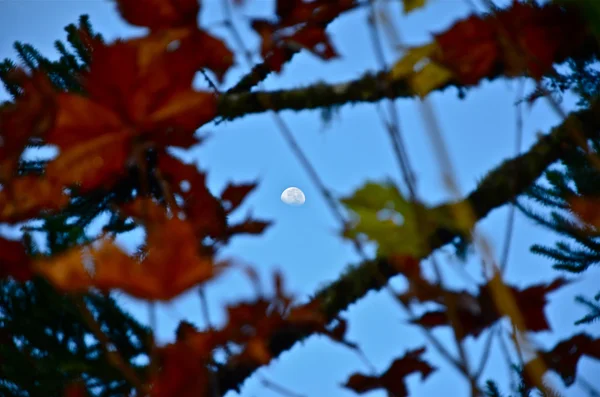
(487, 348)
(508, 359)
(278, 388)
(510, 222)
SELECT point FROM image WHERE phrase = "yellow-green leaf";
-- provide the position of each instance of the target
(385, 217)
(411, 5)
(429, 78)
(422, 74)
(406, 65)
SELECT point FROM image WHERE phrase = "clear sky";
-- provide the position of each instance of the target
(479, 131)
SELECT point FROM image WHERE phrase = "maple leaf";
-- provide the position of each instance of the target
(469, 49)
(259, 326)
(152, 89)
(233, 195)
(392, 380)
(477, 313)
(587, 209)
(189, 48)
(386, 217)
(248, 226)
(170, 266)
(153, 100)
(159, 14)
(309, 18)
(94, 143)
(24, 197)
(92, 164)
(79, 119)
(31, 115)
(14, 261)
(564, 357)
(202, 209)
(425, 78)
(412, 5)
(182, 373)
(523, 38)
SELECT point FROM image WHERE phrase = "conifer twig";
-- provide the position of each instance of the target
(113, 355)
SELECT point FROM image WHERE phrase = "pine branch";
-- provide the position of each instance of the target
(499, 187)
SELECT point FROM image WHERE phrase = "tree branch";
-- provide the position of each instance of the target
(371, 87)
(500, 186)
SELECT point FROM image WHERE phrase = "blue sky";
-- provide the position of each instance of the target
(479, 131)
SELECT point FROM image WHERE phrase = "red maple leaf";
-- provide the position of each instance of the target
(299, 24)
(392, 380)
(233, 195)
(159, 14)
(14, 261)
(523, 38)
(477, 313)
(565, 356)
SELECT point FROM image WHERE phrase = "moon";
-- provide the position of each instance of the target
(293, 196)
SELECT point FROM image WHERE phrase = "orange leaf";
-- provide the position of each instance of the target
(24, 197)
(93, 163)
(257, 351)
(185, 110)
(147, 81)
(14, 261)
(392, 380)
(31, 115)
(78, 119)
(587, 209)
(171, 265)
(159, 14)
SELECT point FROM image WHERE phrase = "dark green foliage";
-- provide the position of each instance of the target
(592, 305)
(45, 344)
(579, 247)
(522, 389)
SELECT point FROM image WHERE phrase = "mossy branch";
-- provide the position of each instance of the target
(500, 186)
(371, 87)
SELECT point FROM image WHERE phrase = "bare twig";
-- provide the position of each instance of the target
(487, 349)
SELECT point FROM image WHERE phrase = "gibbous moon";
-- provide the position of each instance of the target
(293, 196)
